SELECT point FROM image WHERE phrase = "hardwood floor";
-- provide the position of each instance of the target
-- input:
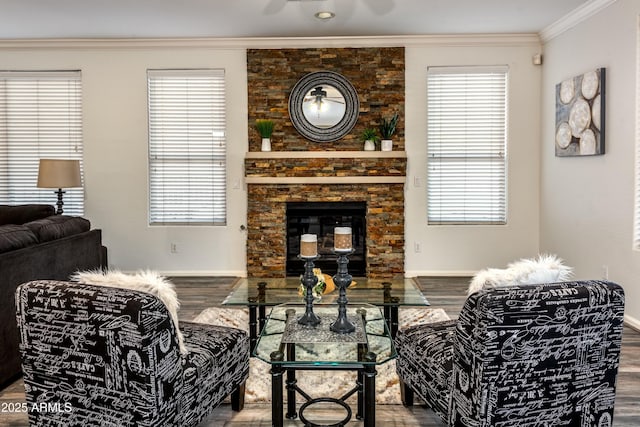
(198, 293)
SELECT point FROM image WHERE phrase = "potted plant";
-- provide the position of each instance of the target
(387, 129)
(265, 129)
(370, 137)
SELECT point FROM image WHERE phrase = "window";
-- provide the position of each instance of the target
(466, 117)
(40, 117)
(187, 147)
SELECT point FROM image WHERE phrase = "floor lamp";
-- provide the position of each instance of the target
(56, 173)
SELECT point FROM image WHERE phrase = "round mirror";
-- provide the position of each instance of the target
(323, 106)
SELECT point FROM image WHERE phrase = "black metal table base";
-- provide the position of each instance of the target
(365, 387)
(258, 317)
(310, 402)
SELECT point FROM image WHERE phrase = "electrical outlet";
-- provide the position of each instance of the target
(417, 247)
(174, 248)
(417, 181)
(605, 272)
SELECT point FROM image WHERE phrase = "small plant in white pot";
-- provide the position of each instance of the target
(369, 136)
(265, 129)
(387, 129)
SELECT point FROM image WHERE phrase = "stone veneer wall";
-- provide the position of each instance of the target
(376, 73)
(378, 76)
(266, 224)
(326, 167)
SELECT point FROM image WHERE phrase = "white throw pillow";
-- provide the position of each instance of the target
(145, 281)
(544, 269)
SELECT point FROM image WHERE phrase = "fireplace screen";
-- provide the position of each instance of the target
(320, 218)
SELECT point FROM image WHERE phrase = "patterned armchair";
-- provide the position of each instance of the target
(94, 355)
(533, 355)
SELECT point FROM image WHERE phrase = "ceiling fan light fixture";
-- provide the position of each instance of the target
(324, 15)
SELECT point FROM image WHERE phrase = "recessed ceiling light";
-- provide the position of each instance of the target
(324, 15)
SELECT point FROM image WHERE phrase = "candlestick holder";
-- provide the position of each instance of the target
(309, 280)
(342, 279)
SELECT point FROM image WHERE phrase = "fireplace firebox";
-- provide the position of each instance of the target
(321, 218)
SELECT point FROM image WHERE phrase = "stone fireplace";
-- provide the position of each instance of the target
(376, 179)
(301, 171)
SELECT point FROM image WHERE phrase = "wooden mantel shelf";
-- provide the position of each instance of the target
(325, 167)
(325, 154)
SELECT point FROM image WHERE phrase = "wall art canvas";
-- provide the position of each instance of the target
(580, 104)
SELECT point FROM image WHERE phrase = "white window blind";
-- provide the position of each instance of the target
(40, 117)
(187, 147)
(466, 116)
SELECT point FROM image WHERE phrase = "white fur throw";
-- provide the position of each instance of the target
(544, 269)
(144, 281)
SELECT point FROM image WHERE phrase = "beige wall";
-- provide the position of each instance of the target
(115, 135)
(115, 156)
(587, 203)
(455, 249)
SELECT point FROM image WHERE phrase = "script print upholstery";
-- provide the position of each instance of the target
(434, 358)
(100, 356)
(535, 355)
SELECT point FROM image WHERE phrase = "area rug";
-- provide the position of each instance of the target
(319, 383)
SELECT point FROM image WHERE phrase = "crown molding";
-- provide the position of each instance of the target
(573, 18)
(275, 42)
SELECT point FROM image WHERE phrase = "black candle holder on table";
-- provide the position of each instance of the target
(342, 280)
(309, 280)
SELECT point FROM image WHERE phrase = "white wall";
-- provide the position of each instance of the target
(115, 157)
(460, 249)
(587, 203)
(115, 135)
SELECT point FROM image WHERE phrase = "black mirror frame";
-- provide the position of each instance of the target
(300, 122)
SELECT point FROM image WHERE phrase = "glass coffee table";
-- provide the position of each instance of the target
(259, 293)
(290, 347)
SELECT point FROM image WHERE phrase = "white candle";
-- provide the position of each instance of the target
(342, 238)
(308, 245)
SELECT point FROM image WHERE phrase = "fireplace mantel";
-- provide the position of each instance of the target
(325, 154)
(325, 167)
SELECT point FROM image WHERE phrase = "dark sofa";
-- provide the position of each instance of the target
(37, 244)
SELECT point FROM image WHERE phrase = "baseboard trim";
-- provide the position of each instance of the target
(632, 322)
(196, 273)
(441, 273)
(243, 273)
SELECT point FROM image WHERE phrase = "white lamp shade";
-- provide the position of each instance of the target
(56, 173)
